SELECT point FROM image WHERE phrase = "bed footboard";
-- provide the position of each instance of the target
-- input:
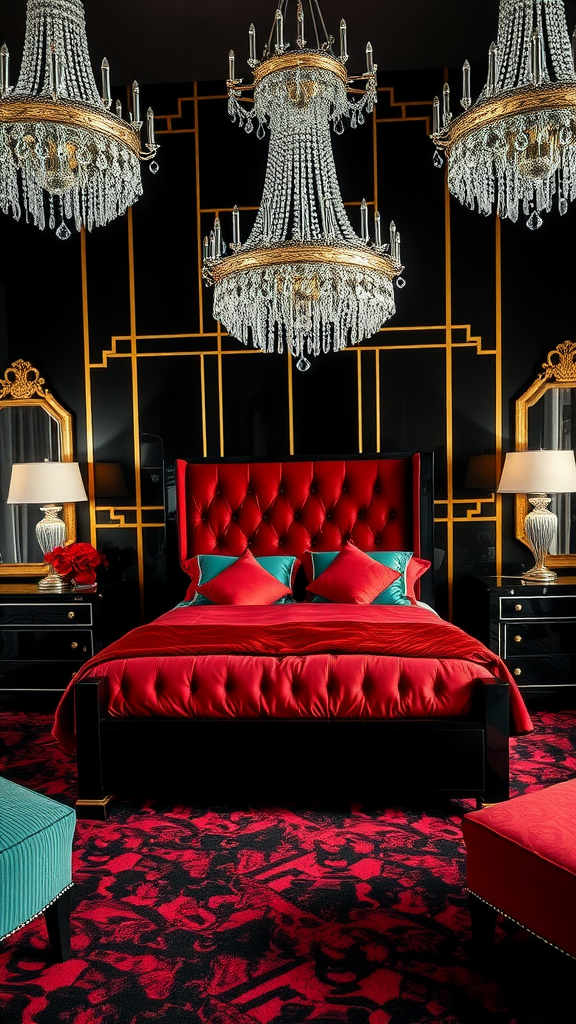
(497, 743)
(90, 709)
(448, 757)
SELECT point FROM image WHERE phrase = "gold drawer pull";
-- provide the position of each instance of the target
(74, 645)
(517, 639)
(517, 607)
(71, 615)
(84, 649)
(517, 671)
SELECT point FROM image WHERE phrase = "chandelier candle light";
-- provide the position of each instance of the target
(64, 156)
(515, 147)
(303, 279)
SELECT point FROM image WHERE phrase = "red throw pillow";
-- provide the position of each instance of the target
(353, 578)
(244, 582)
(191, 567)
(414, 570)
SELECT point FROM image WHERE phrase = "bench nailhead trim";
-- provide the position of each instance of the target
(519, 923)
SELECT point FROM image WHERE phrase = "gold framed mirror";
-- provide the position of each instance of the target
(33, 427)
(546, 418)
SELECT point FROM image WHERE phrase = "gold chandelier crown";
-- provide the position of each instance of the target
(514, 148)
(304, 278)
(64, 155)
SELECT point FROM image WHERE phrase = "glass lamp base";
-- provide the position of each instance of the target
(50, 531)
(540, 525)
(540, 574)
(55, 584)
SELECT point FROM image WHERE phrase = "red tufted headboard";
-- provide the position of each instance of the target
(290, 507)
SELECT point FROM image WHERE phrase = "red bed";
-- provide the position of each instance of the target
(416, 681)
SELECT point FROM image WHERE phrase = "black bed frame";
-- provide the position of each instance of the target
(420, 758)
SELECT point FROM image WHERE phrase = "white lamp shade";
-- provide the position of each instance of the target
(45, 483)
(542, 472)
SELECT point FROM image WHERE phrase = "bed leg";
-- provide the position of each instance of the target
(497, 755)
(92, 798)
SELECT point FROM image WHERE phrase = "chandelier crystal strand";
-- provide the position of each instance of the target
(63, 155)
(514, 149)
(303, 279)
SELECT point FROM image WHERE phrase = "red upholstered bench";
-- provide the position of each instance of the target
(522, 863)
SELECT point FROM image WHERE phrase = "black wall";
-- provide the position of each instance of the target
(160, 381)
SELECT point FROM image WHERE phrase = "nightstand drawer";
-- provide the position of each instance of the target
(46, 644)
(553, 606)
(46, 614)
(543, 672)
(521, 639)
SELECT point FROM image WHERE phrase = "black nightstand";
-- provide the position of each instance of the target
(532, 626)
(45, 638)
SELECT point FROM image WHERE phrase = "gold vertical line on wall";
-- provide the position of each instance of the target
(378, 423)
(360, 422)
(498, 396)
(198, 215)
(220, 391)
(290, 404)
(88, 389)
(449, 482)
(203, 402)
(135, 407)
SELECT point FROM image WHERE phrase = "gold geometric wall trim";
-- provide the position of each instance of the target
(214, 345)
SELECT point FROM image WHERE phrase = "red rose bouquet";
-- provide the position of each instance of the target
(79, 561)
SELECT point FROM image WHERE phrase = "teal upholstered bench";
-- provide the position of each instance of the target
(36, 836)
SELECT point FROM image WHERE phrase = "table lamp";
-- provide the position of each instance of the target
(539, 473)
(48, 484)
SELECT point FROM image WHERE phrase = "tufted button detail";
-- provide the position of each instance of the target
(266, 517)
(361, 514)
(314, 542)
(392, 514)
(283, 541)
(204, 517)
(329, 515)
(296, 516)
(281, 490)
(235, 517)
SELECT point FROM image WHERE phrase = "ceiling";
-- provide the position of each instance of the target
(185, 40)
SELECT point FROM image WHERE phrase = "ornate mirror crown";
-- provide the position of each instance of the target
(33, 427)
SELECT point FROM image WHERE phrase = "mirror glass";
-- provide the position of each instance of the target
(28, 433)
(552, 425)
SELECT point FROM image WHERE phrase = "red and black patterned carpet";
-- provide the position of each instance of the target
(250, 915)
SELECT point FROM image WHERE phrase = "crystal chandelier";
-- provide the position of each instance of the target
(303, 278)
(516, 145)
(64, 156)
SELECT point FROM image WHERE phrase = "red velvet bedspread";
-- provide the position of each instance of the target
(291, 661)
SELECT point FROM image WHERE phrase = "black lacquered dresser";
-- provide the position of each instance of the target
(45, 638)
(532, 626)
